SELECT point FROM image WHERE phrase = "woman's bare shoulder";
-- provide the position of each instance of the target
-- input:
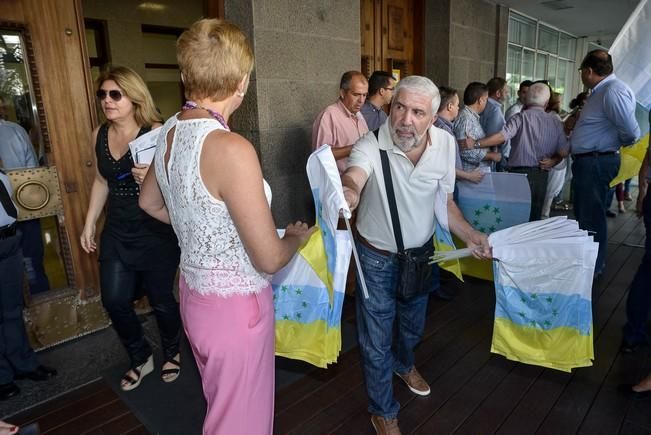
(229, 145)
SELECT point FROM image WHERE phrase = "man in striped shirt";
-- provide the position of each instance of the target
(538, 143)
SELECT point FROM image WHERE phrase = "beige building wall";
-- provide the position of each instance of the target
(128, 46)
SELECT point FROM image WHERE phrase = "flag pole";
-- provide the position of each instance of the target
(360, 275)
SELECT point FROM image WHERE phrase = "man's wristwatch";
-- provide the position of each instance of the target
(477, 145)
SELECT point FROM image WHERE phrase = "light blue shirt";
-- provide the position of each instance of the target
(16, 150)
(607, 119)
(5, 219)
(492, 121)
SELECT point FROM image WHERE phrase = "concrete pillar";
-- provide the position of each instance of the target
(466, 40)
(301, 50)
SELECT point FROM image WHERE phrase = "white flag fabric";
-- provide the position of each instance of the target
(631, 52)
(543, 290)
(309, 291)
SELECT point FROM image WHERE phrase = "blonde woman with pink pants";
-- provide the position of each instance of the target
(207, 182)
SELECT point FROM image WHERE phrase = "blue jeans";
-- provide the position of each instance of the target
(375, 318)
(590, 180)
(638, 303)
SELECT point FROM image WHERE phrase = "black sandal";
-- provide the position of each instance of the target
(170, 375)
(129, 382)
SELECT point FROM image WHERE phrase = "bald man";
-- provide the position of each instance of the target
(341, 123)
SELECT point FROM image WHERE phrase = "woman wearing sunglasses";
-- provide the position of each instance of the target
(136, 251)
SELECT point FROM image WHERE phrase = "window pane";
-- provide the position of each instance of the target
(522, 30)
(159, 48)
(541, 66)
(165, 88)
(513, 76)
(565, 81)
(551, 72)
(567, 46)
(528, 60)
(91, 43)
(547, 39)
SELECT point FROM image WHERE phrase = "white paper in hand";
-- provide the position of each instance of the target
(143, 148)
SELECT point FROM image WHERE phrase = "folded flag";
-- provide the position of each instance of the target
(543, 285)
(309, 291)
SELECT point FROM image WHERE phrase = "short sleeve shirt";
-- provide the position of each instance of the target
(415, 186)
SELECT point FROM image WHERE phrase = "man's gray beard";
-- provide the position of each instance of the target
(405, 147)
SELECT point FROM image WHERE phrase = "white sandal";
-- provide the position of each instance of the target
(129, 382)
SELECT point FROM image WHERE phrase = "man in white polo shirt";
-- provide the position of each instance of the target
(421, 160)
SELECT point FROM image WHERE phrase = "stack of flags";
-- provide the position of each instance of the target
(543, 273)
(543, 285)
(309, 291)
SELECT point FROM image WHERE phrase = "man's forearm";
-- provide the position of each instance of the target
(457, 223)
(342, 152)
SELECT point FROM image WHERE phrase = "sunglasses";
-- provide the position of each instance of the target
(113, 93)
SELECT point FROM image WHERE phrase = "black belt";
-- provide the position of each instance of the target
(594, 154)
(8, 231)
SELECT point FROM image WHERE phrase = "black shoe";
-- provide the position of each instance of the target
(628, 390)
(41, 373)
(628, 347)
(611, 213)
(443, 294)
(7, 391)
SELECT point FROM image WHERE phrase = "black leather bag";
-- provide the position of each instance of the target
(415, 271)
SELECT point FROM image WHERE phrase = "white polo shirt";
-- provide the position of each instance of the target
(415, 187)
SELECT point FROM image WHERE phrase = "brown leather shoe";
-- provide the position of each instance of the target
(385, 426)
(415, 382)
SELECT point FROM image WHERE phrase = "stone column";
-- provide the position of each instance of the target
(465, 41)
(301, 50)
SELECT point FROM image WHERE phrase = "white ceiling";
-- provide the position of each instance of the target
(599, 20)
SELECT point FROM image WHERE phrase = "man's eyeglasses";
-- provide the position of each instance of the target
(113, 93)
(388, 89)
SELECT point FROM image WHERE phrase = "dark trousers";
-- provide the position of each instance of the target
(638, 304)
(591, 176)
(33, 252)
(16, 355)
(120, 285)
(537, 179)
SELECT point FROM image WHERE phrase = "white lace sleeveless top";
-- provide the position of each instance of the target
(213, 259)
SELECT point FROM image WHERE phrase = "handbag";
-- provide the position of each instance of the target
(414, 269)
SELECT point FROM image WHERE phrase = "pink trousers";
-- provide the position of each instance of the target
(232, 341)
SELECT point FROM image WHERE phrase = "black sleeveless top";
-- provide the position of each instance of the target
(130, 235)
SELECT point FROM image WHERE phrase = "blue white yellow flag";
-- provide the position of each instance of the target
(442, 237)
(499, 201)
(543, 289)
(309, 291)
